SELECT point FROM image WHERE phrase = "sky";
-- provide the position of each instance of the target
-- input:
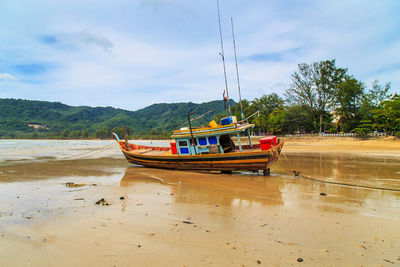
(130, 54)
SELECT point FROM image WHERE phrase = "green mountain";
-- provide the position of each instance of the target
(34, 119)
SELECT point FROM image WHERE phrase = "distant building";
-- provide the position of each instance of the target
(37, 126)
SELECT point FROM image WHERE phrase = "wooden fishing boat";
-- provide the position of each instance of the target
(207, 148)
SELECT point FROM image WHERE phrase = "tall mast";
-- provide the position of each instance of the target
(223, 59)
(237, 71)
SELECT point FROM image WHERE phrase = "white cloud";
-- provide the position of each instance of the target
(7, 76)
(79, 38)
(87, 37)
(167, 50)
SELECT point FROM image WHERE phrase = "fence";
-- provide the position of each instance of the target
(369, 135)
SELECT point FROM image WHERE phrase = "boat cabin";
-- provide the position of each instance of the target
(211, 139)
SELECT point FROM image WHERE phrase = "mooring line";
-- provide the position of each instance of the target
(297, 174)
(87, 152)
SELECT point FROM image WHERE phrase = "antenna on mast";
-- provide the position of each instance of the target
(237, 71)
(223, 58)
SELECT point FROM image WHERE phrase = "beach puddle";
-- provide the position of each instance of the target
(19, 171)
(382, 172)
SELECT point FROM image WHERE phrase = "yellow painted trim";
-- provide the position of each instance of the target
(208, 162)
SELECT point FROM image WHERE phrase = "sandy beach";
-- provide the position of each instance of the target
(154, 217)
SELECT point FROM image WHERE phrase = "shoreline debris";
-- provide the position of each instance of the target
(72, 184)
(102, 202)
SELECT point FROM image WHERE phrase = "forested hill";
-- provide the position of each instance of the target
(33, 119)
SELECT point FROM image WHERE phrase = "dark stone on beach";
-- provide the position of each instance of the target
(300, 260)
(122, 198)
(139, 246)
(102, 202)
(258, 262)
(388, 261)
(322, 194)
(187, 222)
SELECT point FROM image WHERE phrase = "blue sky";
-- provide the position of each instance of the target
(130, 54)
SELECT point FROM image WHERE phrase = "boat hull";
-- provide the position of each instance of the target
(253, 160)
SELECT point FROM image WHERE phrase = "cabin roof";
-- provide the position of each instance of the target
(206, 131)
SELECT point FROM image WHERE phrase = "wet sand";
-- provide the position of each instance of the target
(176, 218)
(388, 146)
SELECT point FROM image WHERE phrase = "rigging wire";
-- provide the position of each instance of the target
(237, 72)
(223, 58)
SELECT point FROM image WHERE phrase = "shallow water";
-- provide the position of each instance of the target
(39, 150)
(345, 168)
(11, 150)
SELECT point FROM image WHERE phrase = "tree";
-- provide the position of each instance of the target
(372, 108)
(76, 134)
(314, 87)
(104, 132)
(65, 134)
(85, 134)
(378, 93)
(348, 98)
(277, 121)
(387, 116)
(290, 119)
(266, 105)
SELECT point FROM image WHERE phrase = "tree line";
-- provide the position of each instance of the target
(322, 97)
(325, 98)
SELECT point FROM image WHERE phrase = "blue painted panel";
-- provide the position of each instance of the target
(184, 150)
(226, 121)
(212, 140)
(202, 141)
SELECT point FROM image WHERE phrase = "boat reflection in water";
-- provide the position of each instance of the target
(208, 188)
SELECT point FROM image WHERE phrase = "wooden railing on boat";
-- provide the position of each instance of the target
(140, 147)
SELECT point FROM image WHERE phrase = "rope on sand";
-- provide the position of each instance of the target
(101, 149)
(297, 174)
